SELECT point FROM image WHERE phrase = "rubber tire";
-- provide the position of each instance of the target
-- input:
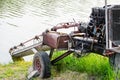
(45, 64)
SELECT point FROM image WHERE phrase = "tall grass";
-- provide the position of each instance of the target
(93, 65)
(14, 71)
(69, 68)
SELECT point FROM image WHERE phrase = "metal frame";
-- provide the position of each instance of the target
(106, 24)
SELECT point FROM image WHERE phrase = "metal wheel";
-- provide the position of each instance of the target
(41, 63)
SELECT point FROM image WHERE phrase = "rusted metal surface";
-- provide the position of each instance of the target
(55, 40)
(28, 51)
(112, 51)
(65, 25)
(25, 48)
(27, 43)
(46, 41)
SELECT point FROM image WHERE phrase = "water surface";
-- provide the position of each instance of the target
(23, 19)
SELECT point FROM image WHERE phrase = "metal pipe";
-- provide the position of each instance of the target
(61, 57)
(106, 24)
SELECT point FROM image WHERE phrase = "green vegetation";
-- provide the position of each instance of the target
(14, 71)
(93, 64)
(91, 67)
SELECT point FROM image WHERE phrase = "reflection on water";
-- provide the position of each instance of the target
(23, 19)
(12, 8)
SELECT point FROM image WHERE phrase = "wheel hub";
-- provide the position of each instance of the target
(38, 64)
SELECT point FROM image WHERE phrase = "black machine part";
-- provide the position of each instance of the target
(96, 29)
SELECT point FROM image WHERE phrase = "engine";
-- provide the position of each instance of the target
(95, 35)
(96, 25)
(94, 39)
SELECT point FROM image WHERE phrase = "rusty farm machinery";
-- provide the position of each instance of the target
(91, 38)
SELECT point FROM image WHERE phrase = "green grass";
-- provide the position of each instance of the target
(14, 71)
(93, 65)
(89, 67)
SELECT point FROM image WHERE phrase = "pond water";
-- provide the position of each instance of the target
(21, 20)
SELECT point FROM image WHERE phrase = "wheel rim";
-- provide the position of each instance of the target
(37, 64)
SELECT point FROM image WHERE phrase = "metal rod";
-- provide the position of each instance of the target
(61, 57)
(51, 53)
(106, 24)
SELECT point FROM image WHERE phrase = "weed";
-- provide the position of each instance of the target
(90, 67)
(93, 65)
